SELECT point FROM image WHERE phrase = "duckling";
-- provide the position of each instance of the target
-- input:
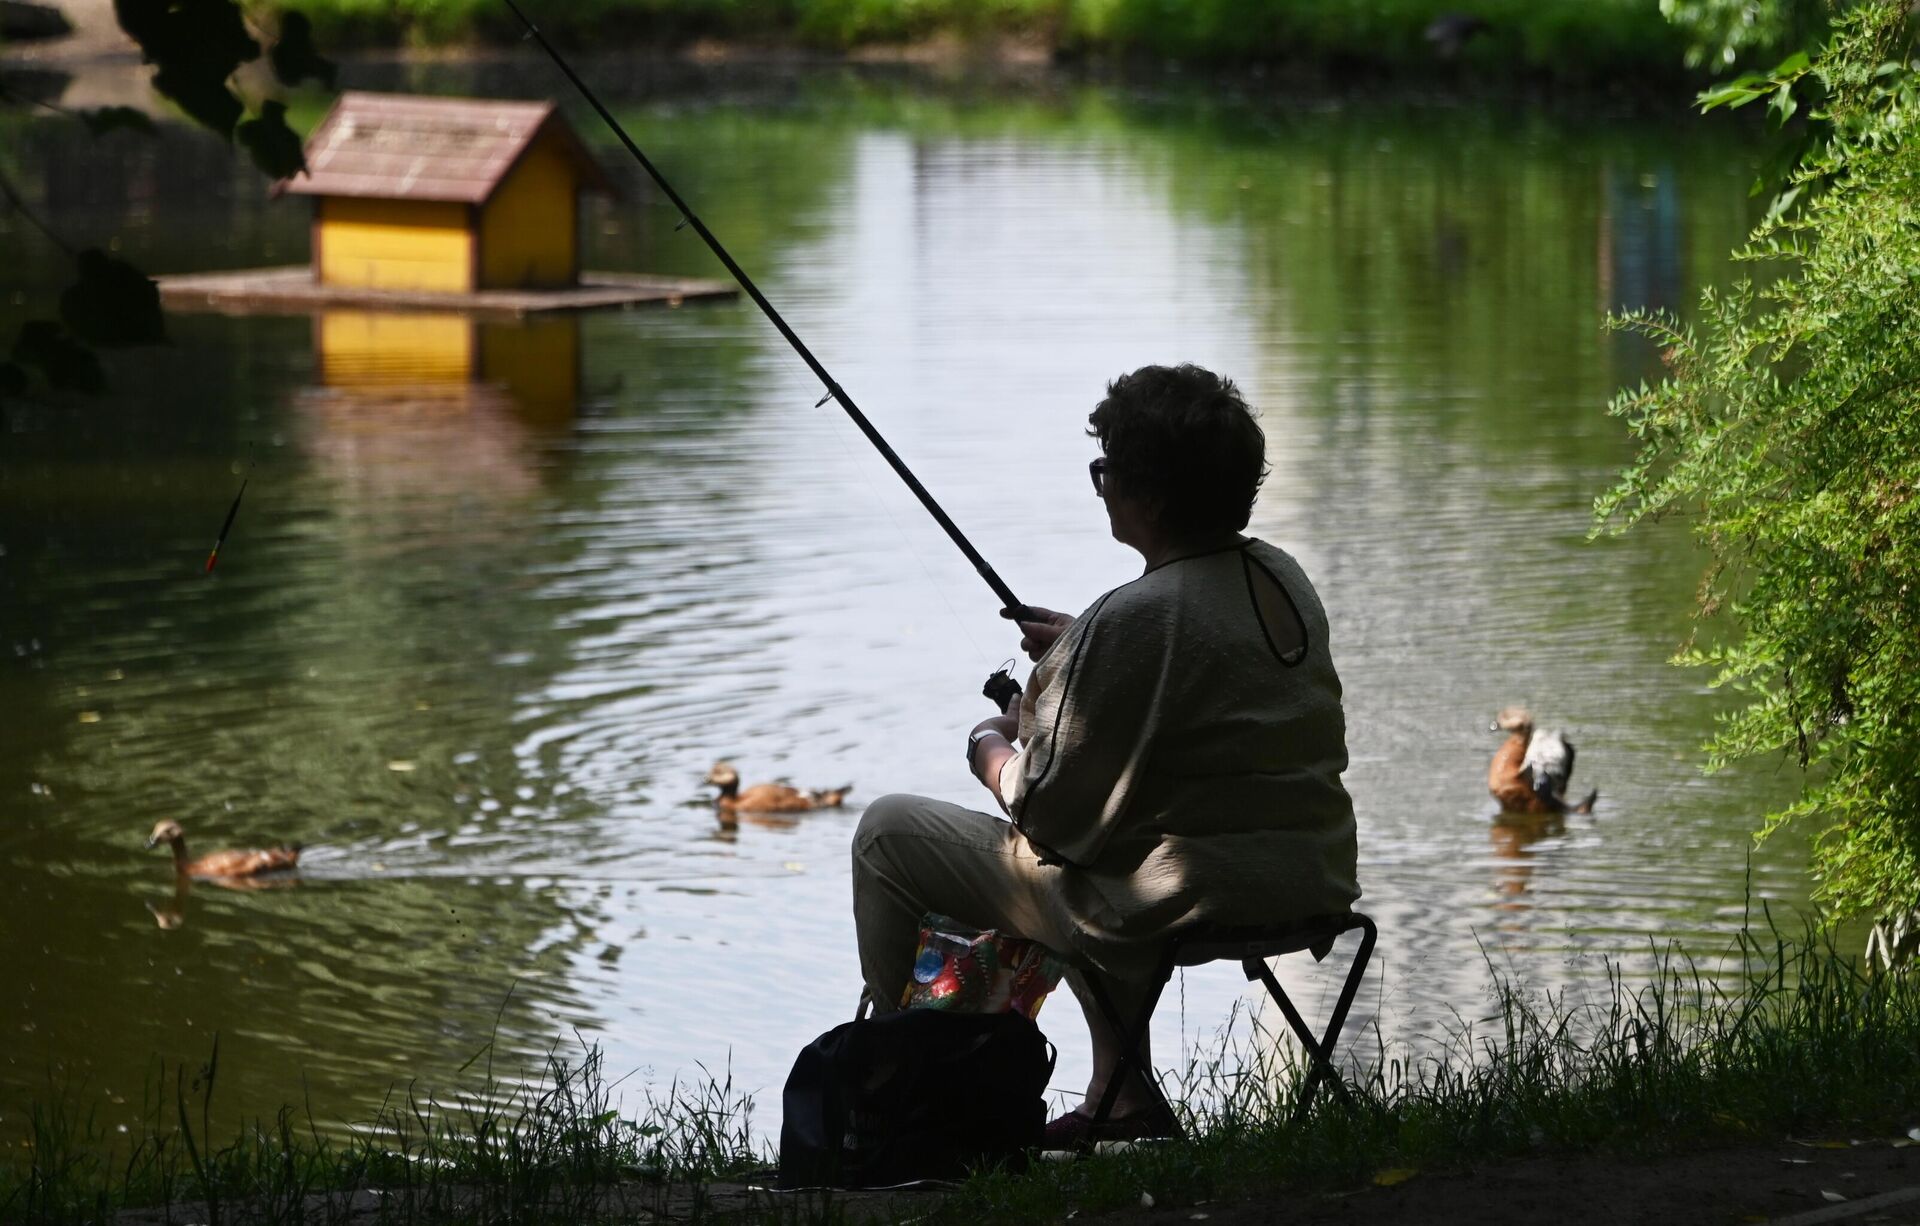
(1530, 770)
(221, 863)
(768, 797)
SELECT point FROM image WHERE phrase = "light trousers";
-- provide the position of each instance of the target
(913, 855)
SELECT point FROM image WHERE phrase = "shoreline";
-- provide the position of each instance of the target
(110, 72)
(1783, 1091)
(1623, 56)
(1772, 1181)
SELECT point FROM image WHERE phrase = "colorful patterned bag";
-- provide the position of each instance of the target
(961, 969)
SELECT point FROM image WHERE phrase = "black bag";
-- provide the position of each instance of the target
(919, 1094)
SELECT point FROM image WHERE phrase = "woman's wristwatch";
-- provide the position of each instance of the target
(973, 742)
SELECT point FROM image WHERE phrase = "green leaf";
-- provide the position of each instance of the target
(294, 57)
(1792, 66)
(1781, 106)
(143, 20)
(207, 100)
(197, 45)
(104, 119)
(113, 303)
(1727, 94)
(209, 36)
(66, 363)
(1733, 93)
(1783, 202)
(274, 147)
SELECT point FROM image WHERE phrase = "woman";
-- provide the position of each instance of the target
(1176, 758)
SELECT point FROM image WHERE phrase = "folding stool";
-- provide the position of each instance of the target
(1251, 947)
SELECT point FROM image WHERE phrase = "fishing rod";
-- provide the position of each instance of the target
(1009, 602)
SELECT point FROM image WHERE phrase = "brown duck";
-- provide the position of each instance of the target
(1530, 770)
(768, 797)
(221, 864)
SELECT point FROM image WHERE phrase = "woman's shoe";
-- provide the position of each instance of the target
(1077, 1131)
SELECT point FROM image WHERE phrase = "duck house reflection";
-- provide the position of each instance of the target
(535, 362)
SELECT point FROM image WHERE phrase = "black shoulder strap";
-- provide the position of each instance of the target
(1275, 609)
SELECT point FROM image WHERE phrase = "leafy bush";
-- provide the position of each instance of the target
(1789, 427)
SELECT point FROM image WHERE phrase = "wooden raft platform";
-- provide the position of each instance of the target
(293, 291)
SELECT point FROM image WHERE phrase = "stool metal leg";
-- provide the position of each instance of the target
(1320, 1051)
(1131, 1059)
(1320, 1054)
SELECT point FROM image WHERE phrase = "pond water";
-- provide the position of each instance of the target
(497, 598)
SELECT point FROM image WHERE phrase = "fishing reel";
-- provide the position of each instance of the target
(1001, 688)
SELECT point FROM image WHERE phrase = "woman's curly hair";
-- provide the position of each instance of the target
(1187, 437)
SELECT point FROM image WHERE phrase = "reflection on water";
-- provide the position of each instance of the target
(435, 403)
(1512, 836)
(534, 363)
(170, 911)
(501, 595)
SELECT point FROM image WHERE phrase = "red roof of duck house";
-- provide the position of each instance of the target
(407, 147)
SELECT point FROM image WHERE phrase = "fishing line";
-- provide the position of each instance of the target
(906, 539)
(833, 390)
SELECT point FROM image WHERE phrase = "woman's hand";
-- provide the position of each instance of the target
(1007, 725)
(1037, 636)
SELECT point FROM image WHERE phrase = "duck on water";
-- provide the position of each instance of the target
(221, 865)
(1531, 769)
(767, 797)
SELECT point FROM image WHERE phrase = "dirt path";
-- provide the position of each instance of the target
(1783, 1182)
(1788, 1183)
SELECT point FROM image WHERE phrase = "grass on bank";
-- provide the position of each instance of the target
(556, 1148)
(1797, 1039)
(1584, 39)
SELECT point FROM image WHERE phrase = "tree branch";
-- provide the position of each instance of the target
(18, 204)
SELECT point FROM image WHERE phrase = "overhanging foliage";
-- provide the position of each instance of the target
(1789, 428)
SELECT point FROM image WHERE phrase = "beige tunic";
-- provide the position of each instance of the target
(1178, 765)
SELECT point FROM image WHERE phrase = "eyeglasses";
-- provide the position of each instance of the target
(1097, 469)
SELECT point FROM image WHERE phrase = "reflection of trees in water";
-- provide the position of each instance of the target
(109, 506)
(1642, 241)
(1402, 246)
(174, 202)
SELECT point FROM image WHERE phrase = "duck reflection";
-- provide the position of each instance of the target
(1513, 836)
(774, 805)
(171, 912)
(728, 829)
